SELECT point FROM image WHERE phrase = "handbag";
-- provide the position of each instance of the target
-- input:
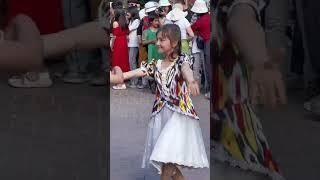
(200, 43)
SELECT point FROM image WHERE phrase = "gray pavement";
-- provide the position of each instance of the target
(292, 135)
(60, 133)
(130, 110)
(56, 133)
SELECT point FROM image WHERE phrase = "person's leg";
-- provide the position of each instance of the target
(178, 175)
(133, 52)
(208, 70)
(203, 68)
(101, 78)
(276, 22)
(197, 67)
(23, 32)
(168, 170)
(105, 61)
(76, 13)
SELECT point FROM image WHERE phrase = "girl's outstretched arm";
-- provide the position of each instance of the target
(134, 73)
(187, 74)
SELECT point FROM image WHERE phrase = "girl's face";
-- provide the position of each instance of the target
(128, 15)
(164, 44)
(166, 9)
(112, 11)
(155, 23)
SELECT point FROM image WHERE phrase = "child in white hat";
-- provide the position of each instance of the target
(164, 8)
(178, 16)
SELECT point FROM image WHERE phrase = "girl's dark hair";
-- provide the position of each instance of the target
(134, 13)
(152, 16)
(173, 33)
(120, 17)
(117, 5)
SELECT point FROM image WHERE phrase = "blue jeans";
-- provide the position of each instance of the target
(133, 54)
(75, 13)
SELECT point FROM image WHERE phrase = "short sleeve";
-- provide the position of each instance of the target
(186, 58)
(149, 68)
(134, 25)
(187, 23)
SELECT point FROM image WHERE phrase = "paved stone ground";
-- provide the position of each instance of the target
(130, 111)
(61, 133)
(292, 134)
(54, 133)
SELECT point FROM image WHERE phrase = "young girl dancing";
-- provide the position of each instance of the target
(174, 138)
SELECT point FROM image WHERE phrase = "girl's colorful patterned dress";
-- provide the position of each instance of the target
(236, 132)
(174, 134)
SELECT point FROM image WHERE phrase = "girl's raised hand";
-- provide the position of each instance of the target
(194, 88)
(267, 87)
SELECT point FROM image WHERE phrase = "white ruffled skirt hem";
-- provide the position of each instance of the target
(174, 138)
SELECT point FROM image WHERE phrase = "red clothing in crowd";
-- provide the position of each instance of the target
(120, 54)
(202, 26)
(47, 15)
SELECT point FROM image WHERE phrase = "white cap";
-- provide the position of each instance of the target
(163, 3)
(151, 6)
(199, 6)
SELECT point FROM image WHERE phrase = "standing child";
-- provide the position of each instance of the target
(133, 44)
(178, 16)
(174, 138)
(119, 42)
(149, 38)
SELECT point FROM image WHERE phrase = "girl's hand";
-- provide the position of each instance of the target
(118, 74)
(194, 88)
(267, 86)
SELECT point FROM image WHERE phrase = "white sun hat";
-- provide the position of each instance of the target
(163, 3)
(151, 6)
(142, 13)
(176, 13)
(199, 6)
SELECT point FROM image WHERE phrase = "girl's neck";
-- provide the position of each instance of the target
(153, 28)
(169, 58)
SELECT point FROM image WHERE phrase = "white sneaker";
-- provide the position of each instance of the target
(120, 87)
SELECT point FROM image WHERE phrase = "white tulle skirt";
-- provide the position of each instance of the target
(174, 138)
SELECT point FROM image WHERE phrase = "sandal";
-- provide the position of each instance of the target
(31, 80)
